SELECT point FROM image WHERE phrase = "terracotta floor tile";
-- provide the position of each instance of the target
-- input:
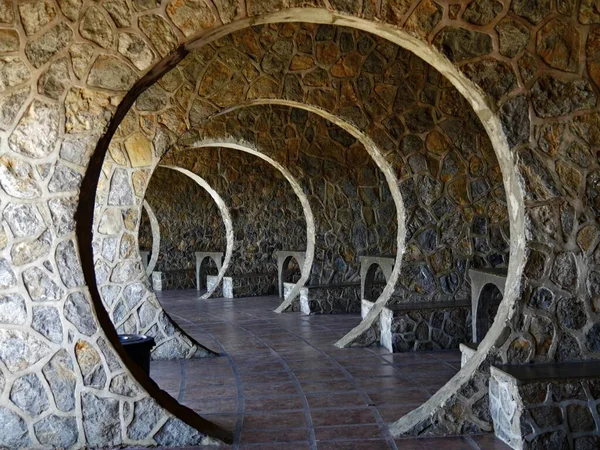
(445, 443)
(294, 419)
(265, 356)
(325, 417)
(269, 437)
(348, 432)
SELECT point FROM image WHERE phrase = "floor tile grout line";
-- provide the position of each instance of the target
(307, 416)
(472, 442)
(240, 397)
(382, 426)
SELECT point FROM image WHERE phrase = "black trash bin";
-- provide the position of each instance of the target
(138, 347)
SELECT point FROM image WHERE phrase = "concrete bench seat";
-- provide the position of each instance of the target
(327, 299)
(546, 405)
(245, 285)
(413, 327)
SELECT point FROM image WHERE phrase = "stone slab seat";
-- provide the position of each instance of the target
(413, 327)
(550, 406)
(246, 285)
(339, 298)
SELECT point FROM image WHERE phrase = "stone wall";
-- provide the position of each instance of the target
(59, 93)
(449, 177)
(266, 213)
(550, 412)
(348, 196)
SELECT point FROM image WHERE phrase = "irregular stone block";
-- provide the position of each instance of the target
(101, 420)
(19, 349)
(12, 309)
(37, 132)
(14, 430)
(28, 394)
(56, 431)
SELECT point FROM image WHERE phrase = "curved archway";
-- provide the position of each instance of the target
(212, 261)
(297, 188)
(316, 14)
(494, 129)
(224, 211)
(155, 229)
(392, 182)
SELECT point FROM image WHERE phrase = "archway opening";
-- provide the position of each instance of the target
(419, 269)
(208, 267)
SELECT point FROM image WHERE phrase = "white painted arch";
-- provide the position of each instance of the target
(155, 229)
(307, 210)
(225, 216)
(392, 182)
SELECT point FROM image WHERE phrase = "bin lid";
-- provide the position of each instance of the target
(134, 338)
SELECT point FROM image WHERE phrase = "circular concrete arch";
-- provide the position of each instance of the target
(467, 88)
(308, 214)
(388, 172)
(225, 216)
(155, 229)
(493, 127)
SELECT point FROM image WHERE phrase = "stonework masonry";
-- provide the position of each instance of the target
(529, 68)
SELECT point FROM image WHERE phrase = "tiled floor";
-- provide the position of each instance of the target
(281, 384)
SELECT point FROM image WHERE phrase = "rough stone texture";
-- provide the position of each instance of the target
(101, 420)
(37, 132)
(531, 414)
(552, 227)
(426, 329)
(28, 394)
(558, 45)
(41, 51)
(111, 73)
(56, 431)
(12, 309)
(19, 349)
(329, 299)
(15, 433)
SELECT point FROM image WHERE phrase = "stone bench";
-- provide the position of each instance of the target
(248, 285)
(283, 260)
(328, 299)
(546, 406)
(413, 327)
(217, 257)
(173, 279)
